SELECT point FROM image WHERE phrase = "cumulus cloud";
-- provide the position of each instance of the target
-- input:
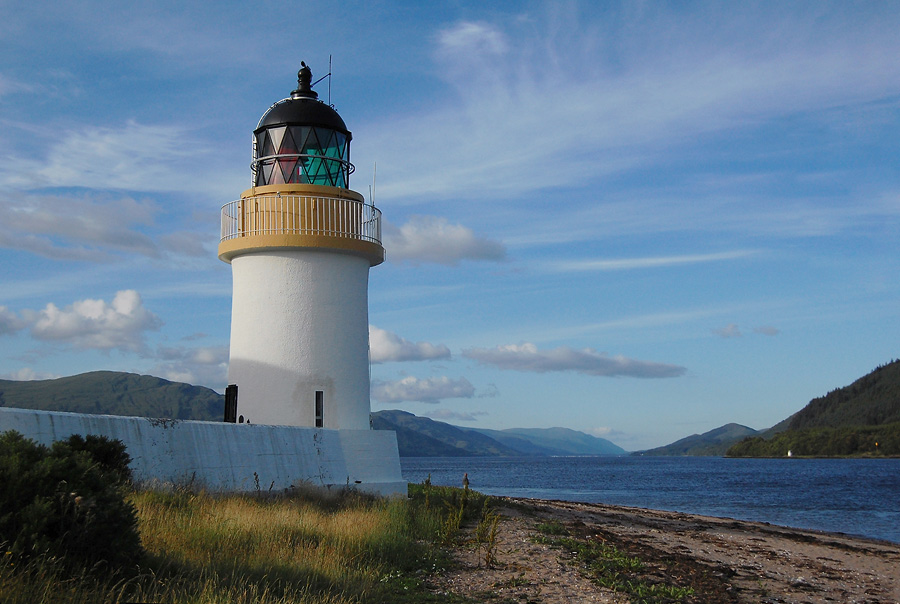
(27, 374)
(10, 322)
(435, 239)
(204, 365)
(386, 347)
(729, 331)
(766, 330)
(459, 416)
(527, 357)
(428, 390)
(96, 324)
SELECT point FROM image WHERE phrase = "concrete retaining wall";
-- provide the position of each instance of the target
(231, 457)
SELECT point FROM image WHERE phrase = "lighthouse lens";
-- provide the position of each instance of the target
(302, 155)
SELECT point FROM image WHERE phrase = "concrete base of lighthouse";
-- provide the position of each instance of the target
(227, 457)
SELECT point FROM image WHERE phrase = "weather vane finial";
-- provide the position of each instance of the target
(304, 83)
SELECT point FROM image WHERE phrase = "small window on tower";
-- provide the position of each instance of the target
(320, 408)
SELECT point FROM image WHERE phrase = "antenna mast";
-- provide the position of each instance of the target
(327, 75)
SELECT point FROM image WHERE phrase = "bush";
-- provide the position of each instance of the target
(64, 502)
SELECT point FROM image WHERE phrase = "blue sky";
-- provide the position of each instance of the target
(639, 220)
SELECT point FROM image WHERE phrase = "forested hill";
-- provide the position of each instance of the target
(872, 400)
(862, 419)
(115, 393)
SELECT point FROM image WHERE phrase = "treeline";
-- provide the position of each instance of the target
(849, 441)
(872, 400)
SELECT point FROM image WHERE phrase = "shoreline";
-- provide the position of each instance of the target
(720, 559)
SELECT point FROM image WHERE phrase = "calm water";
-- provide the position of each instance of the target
(854, 496)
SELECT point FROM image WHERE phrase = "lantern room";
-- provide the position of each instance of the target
(301, 140)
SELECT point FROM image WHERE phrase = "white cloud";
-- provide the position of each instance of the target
(527, 357)
(729, 331)
(203, 365)
(131, 157)
(76, 227)
(435, 239)
(27, 374)
(479, 38)
(10, 322)
(459, 416)
(386, 347)
(96, 324)
(428, 390)
(648, 262)
(10, 86)
(552, 99)
(766, 330)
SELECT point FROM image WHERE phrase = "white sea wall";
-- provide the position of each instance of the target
(227, 457)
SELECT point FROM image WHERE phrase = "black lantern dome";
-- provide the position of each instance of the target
(301, 140)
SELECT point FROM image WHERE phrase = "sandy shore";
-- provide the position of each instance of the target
(721, 560)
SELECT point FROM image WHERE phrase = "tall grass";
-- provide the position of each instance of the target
(201, 548)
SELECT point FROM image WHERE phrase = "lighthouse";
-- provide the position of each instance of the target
(300, 244)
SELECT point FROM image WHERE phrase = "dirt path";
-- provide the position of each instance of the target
(722, 560)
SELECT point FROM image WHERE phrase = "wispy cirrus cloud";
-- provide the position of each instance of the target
(131, 156)
(428, 390)
(767, 330)
(729, 331)
(528, 357)
(646, 262)
(670, 77)
(77, 227)
(386, 347)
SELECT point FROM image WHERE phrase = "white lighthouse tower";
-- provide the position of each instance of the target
(300, 244)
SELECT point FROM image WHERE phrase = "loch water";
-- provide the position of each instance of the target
(853, 496)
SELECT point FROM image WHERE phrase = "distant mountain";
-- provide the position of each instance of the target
(713, 443)
(129, 394)
(552, 441)
(860, 419)
(424, 437)
(115, 393)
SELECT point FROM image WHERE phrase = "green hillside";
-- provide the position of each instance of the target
(861, 419)
(713, 443)
(115, 393)
(872, 400)
(424, 437)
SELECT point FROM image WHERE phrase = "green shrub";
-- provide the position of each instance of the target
(109, 454)
(63, 502)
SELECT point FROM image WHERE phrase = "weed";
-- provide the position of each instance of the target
(612, 568)
(551, 527)
(486, 533)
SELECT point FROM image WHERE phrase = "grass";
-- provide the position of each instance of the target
(610, 567)
(310, 548)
